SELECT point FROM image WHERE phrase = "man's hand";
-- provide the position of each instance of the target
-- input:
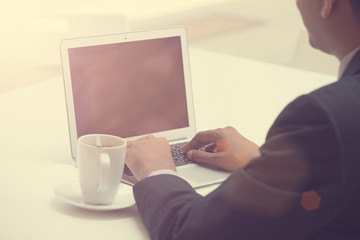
(148, 154)
(224, 148)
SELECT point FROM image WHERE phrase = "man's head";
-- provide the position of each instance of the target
(333, 25)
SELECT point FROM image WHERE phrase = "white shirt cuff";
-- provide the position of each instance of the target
(163, 171)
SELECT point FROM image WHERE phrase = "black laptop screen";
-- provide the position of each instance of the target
(129, 89)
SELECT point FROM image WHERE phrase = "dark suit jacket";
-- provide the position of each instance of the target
(305, 185)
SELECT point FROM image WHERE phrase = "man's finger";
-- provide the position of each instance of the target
(214, 159)
(201, 139)
(130, 144)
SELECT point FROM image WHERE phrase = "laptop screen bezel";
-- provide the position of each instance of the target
(120, 38)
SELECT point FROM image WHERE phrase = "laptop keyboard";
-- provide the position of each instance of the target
(179, 158)
(176, 151)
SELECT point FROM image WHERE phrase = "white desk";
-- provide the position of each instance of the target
(35, 150)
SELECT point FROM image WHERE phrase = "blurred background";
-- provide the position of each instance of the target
(269, 31)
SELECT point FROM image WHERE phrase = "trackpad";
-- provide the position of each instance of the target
(198, 175)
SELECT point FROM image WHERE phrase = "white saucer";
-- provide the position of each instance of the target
(70, 193)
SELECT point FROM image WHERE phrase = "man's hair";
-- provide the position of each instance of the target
(355, 5)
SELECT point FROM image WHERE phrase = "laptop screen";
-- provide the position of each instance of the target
(130, 88)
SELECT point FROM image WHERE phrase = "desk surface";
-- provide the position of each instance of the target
(35, 150)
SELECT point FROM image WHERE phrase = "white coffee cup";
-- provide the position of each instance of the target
(101, 160)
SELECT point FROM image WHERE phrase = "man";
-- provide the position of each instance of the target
(303, 183)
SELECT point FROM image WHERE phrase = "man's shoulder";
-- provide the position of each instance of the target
(340, 99)
(338, 104)
(341, 86)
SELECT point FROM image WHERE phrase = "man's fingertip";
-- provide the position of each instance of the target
(184, 148)
(189, 155)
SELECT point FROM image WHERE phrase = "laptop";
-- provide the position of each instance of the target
(131, 85)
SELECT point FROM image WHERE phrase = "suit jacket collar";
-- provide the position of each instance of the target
(354, 66)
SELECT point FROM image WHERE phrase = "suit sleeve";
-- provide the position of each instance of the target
(290, 192)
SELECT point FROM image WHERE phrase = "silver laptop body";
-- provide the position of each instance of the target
(131, 85)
